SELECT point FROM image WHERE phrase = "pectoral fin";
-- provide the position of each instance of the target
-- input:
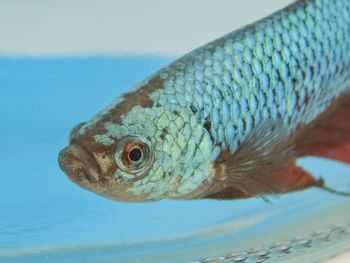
(292, 179)
(263, 165)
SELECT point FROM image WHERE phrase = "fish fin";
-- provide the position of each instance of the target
(294, 179)
(263, 165)
(229, 193)
(329, 135)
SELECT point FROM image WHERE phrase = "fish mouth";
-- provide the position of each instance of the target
(78, 164)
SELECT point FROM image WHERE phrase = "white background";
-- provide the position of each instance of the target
(155, 26)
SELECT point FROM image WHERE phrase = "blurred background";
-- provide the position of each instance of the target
(61, 62)
(108, 27)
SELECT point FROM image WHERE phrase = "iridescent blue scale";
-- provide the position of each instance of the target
(266, 70)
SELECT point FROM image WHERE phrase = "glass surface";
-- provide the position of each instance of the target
(63, 79)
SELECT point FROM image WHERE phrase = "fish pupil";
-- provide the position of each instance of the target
(135, 154)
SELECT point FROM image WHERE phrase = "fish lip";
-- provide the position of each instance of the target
(78, 164)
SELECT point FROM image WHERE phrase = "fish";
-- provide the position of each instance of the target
(229, 119)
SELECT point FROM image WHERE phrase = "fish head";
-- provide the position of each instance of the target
(142, 152)
(107, 169)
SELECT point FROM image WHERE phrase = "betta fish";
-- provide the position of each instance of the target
(229, 119)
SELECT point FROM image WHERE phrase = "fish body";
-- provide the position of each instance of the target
(224, 120)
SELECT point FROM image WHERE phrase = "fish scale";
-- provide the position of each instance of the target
(278, 54)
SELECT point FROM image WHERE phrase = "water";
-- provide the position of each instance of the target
(46, 218)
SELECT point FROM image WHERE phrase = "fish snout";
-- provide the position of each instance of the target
(78, 164)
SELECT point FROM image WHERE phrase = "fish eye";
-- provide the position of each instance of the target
(134, 155)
